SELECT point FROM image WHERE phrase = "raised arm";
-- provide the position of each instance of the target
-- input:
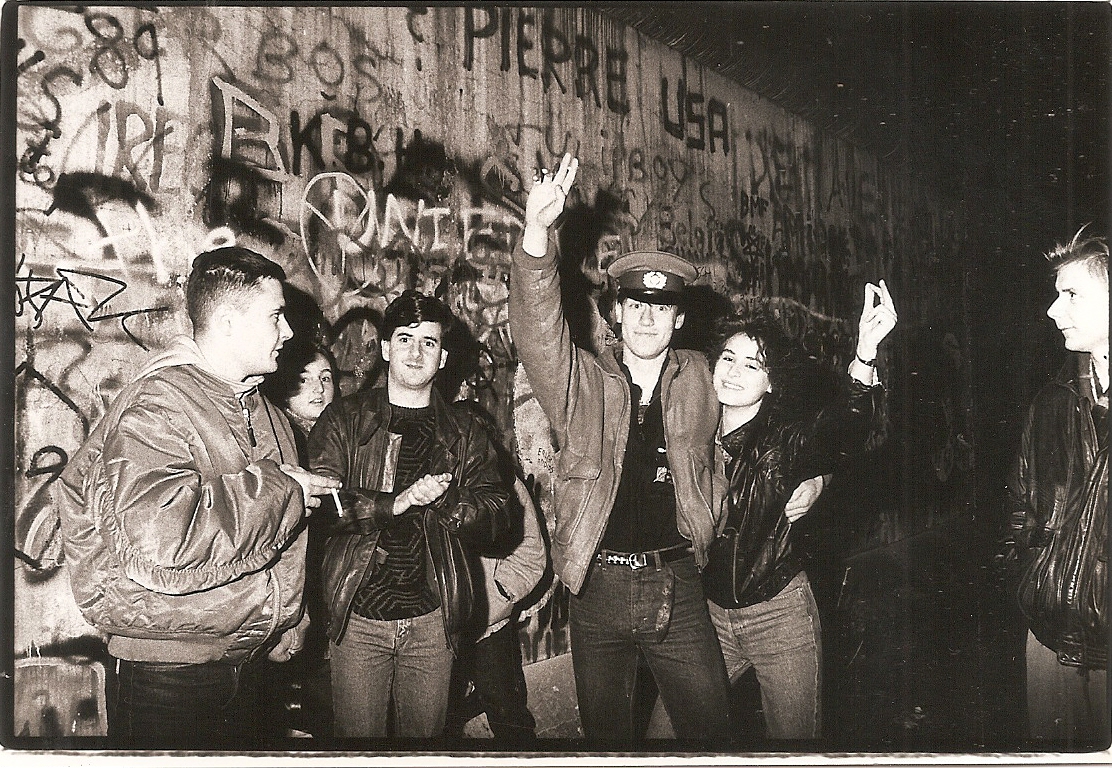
(878, 318)
(537, 322)
(545, 204)
(843, 428)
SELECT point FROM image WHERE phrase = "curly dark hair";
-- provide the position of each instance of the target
(281, 385)
(781, 355)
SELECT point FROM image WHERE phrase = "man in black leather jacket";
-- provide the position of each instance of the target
(1058, 496)
(421, 490)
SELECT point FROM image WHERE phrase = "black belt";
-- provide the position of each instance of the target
(636, 560)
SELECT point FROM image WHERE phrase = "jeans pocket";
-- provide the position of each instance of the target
(654, 607)
(685, 570)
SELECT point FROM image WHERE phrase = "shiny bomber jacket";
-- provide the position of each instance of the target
(766, 459)
(182, 535)
(349, 442)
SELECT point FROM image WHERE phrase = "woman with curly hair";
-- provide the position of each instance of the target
(759, 597)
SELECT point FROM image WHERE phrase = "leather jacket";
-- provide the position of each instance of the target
(586, 399)
(349, 442)
(752, 559)
(1061, 466)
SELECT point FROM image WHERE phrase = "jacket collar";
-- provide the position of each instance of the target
(1077, 375)
(610, 359)
(734, 442)
(183, 350)
(378, 411)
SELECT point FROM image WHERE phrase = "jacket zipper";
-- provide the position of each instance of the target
(247, 419)
(733, 568)
(625, 414)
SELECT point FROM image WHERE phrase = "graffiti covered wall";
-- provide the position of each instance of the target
(370, 150)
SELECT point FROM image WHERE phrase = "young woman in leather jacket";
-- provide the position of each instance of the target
(759, 598)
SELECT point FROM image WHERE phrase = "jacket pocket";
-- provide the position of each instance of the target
(576, 477)
(575, 498)
(572, 463)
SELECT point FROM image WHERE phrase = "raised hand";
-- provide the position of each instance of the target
(878, 318)
(549, 193)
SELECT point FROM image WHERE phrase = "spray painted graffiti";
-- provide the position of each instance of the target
(370, 150)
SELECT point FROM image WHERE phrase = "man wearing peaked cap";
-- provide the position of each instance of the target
(655, 277)
(635, 428)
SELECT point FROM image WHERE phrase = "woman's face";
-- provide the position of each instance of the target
(740, 378)
(314, 390)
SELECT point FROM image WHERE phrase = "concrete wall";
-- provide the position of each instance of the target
(369, 150)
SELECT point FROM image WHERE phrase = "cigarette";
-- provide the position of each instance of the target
(339, 506)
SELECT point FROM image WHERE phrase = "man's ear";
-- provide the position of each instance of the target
(680, 317)
(385, 345)
(616, 311)
(443, 358)
(221, 321)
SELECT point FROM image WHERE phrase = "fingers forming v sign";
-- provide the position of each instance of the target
(550, 191)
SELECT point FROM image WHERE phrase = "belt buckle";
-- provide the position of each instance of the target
(638, 560)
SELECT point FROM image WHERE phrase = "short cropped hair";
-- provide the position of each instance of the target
(414, 307)
(1093, 251)
(223, 274)
(779, 353)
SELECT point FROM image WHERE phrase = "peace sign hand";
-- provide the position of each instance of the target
(549, 192)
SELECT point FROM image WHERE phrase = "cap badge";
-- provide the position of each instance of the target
(655, 280)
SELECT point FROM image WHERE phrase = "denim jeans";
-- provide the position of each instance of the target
(618, 614)
(403, 664)
(202, 706)
(493, 666)
(781, 639)
(1066, 706)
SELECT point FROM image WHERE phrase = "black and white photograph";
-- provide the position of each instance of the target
(587, 383)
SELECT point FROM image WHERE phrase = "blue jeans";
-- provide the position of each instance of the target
(781, 639)
(621, 612)
(203, 706)
(405, 664)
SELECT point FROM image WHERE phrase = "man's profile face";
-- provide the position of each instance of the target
(647, 328)
(259, 323)
(1081, 309)
(415, 353)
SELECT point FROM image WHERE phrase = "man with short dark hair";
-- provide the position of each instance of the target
(181, 518)
(1058, 494)
(421, 488)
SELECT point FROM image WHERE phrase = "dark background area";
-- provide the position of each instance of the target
(1003, 108)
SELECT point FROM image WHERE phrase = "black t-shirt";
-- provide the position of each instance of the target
(644, 513)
